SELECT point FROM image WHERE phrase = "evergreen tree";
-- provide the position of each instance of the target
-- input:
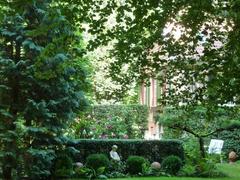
(41, 85)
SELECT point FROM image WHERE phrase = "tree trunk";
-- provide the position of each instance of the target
(201, 146)
(7, 172)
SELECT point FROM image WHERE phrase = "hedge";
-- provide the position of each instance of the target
(153, 150)
(231, 141)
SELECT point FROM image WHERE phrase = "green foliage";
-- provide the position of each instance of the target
(38, 163)
(145, 35)
(172, 164)
(188, 170)
(85, 172)
(117, 167)
(135, 164)
(96, 161)
(42, 83)
(231, 141)
(208, 168)
(112, 121)
(195, 165)
(153, 150)
(63, 166)
(200, 121)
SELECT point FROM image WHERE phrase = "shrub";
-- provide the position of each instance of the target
(207, 168)
(89, 173)
(153, 150)
(195, 165)
(117, 166)
(172, 164)
(96, 161)
(188, 170)
(135, 164)
(117, 121)
(63, 166)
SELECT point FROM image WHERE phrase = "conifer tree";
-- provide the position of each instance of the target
(41, 85)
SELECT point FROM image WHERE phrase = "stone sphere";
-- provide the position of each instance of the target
(156, 165)
(232, 157)
(79, 164)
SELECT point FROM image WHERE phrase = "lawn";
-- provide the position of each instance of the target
(232, 170)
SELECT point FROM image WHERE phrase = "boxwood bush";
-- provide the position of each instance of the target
(153, 150)
(172, 164)
(135, 164)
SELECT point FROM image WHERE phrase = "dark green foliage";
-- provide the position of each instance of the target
(207, 168)
(194, 165)
(41, 85)
(153, 150)
(112, 121)
(38, 163)
(90, 173)
(63, 166)
(231, 141)
(97, 161)
(201, 121)
(172, 164)
(135, 164)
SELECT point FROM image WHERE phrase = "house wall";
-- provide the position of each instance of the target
(149, 96)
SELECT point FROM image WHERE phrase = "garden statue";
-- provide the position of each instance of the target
(232, 157)
(113, 153)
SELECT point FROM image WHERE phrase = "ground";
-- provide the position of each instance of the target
(232, 170)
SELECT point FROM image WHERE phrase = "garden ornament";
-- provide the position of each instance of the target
(113, 153)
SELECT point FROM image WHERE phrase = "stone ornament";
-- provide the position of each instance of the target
(113, 153)
(232, 157)
(156, 166)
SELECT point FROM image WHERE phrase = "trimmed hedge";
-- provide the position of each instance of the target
(154, 150)
(231, 141)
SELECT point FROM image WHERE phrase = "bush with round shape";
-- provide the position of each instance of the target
(172, 164)
(95, 161)
(136, 164)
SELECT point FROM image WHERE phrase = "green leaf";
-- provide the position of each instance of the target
(100, 170)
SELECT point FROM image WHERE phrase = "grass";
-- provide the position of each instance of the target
(232, 170)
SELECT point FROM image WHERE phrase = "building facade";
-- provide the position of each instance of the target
(149, 95)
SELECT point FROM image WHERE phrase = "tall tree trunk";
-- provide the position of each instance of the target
(201, 146)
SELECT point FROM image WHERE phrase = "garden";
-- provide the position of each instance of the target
(120, 89)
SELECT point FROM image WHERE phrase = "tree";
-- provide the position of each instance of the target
(199, 122)
(191, 47)
(163, 39)
(41, 85)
